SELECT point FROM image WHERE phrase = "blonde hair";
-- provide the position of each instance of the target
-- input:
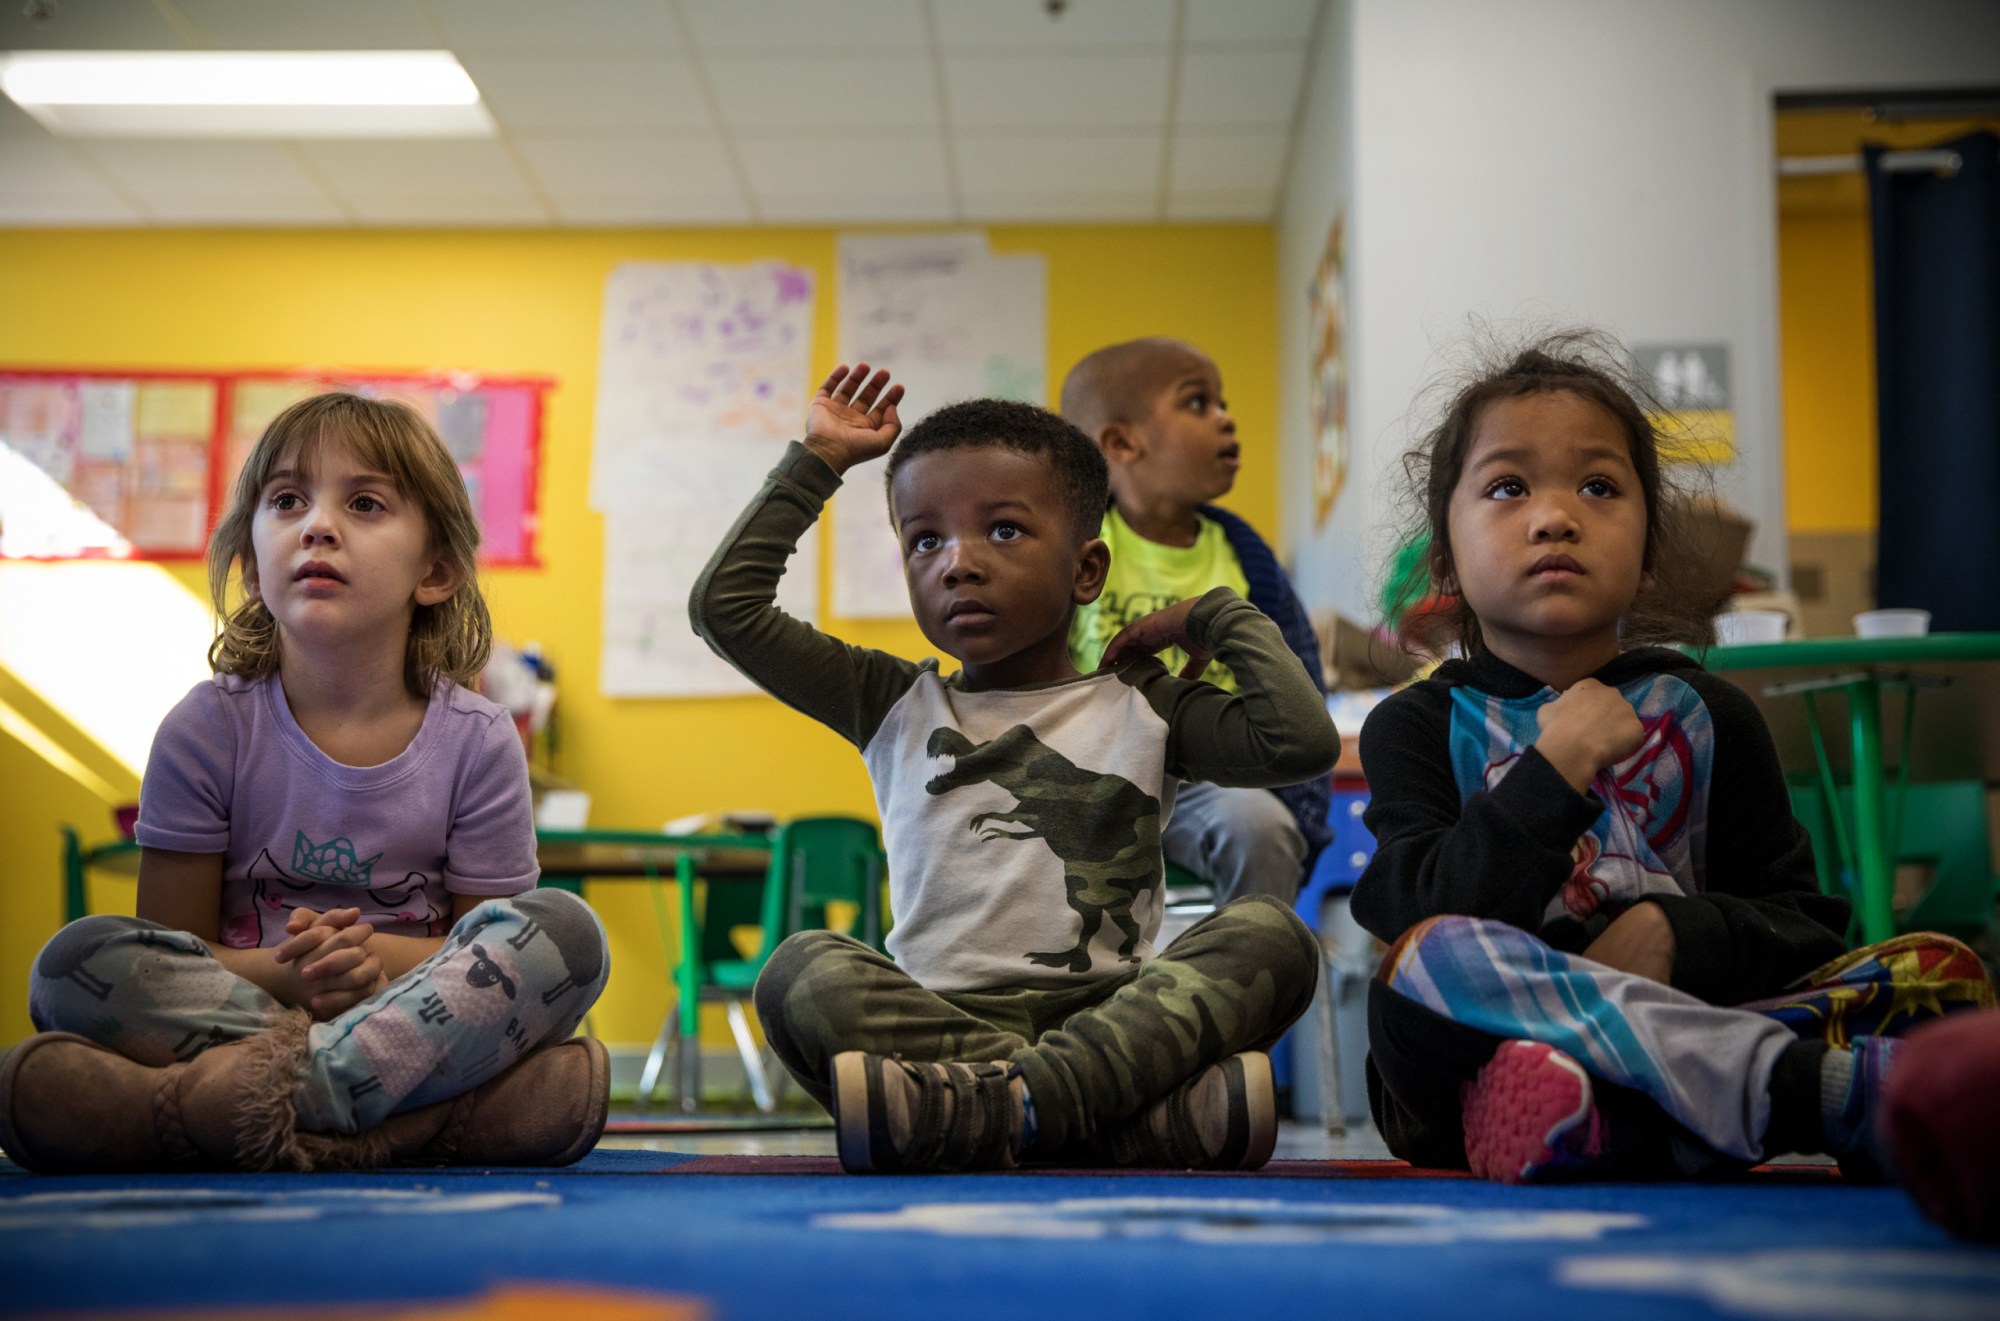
(450, 640)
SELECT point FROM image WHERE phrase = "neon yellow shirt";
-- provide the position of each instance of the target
(1147, 576)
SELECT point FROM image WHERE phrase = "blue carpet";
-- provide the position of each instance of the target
(831, 1246)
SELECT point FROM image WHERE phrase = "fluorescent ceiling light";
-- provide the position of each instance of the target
(247, 94)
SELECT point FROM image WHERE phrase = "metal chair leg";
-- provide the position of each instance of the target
(1331, 1112)
(688, 1051)
(649, 1078)
(753, 1058)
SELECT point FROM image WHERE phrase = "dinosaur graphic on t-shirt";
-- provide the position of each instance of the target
(1104, 829)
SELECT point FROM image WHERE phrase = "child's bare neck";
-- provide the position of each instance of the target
(355, 709)
(1162, 519)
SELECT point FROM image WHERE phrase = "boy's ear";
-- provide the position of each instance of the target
(1120, 442)
(1093, 565)
(438, 585)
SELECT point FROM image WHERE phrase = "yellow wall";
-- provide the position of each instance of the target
(530, 302)
(1826, 318)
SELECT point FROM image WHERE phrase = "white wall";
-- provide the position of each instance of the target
(1602, 161)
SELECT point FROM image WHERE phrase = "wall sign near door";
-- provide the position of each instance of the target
(1692, 385)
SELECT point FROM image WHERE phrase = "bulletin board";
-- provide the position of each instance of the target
(153, 454)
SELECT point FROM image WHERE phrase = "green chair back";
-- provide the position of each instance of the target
(830, 859)
(1942, 825)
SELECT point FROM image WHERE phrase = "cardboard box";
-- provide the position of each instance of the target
(1355, 657)
(1700, 578)
(1833, 575)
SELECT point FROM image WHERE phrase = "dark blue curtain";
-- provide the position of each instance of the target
(1937, 356)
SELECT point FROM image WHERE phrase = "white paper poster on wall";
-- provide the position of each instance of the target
(702, 379)
(951, 321)
(652, 556)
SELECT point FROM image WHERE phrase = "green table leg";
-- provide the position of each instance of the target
(1871, 844)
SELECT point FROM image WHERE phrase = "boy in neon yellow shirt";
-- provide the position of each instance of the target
(1156, 410)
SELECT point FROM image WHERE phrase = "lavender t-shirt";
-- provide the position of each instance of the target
(232, 773)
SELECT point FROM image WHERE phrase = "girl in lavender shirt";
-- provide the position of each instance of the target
(340, 957)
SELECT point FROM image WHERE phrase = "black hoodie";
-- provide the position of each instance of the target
(1747, 914)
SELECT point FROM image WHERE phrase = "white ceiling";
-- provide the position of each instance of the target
(714, 112)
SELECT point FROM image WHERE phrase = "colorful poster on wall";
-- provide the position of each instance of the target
(951, 321)
(1327, 372)
(703, 379)
(151, 457)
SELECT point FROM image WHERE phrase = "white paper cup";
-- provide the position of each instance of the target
(1892, 623)
(1738, 627)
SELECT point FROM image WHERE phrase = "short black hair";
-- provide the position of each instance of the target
(1072, 458)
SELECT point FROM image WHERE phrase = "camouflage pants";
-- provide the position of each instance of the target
(510, 975)
(1091, 1055)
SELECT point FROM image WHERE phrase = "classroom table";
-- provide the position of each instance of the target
(567, 857)
(1953, 734)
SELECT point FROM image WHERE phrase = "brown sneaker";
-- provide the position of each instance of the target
(1224, 1118)
(549, 1109)
(895, 1117)
(69, 1105)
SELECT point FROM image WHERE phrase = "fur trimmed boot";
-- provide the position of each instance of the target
(69, 1105)
(549, 1109)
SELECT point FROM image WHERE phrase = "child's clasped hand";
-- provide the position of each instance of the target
(334, 966)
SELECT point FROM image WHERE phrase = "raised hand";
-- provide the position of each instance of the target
(853, 417)
(1586, 729)
(1154, 633)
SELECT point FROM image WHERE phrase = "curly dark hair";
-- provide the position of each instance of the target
(1591, 365)
(1076, 463)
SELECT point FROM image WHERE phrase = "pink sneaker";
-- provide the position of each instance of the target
(1530, 1116)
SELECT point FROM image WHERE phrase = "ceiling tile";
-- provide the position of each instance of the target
(846, 166)
(1274, 21)
(1224, 162)
(209, 169)
(238, 209)
(1096, 205)
(882, 208)
(825, 25)
(101, 25)
(629, 26)
(18, 123)
(101, 208)
(42, 184)
(308, 24)
(1062, 91)
(30, 168)
(996, 24)
(529, 95)
(1253, 205)
(472, 210)
(421, 168)
(667, 208)
(1075, 162)
(1239, 87)
(800, 93)
(621, 167)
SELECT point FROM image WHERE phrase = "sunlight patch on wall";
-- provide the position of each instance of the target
(112, 644)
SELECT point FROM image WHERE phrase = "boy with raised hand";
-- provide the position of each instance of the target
(1155, 408)
(1024, 1014)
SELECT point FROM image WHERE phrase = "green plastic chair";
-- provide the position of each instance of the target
(814, 861)
(1940, 824)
